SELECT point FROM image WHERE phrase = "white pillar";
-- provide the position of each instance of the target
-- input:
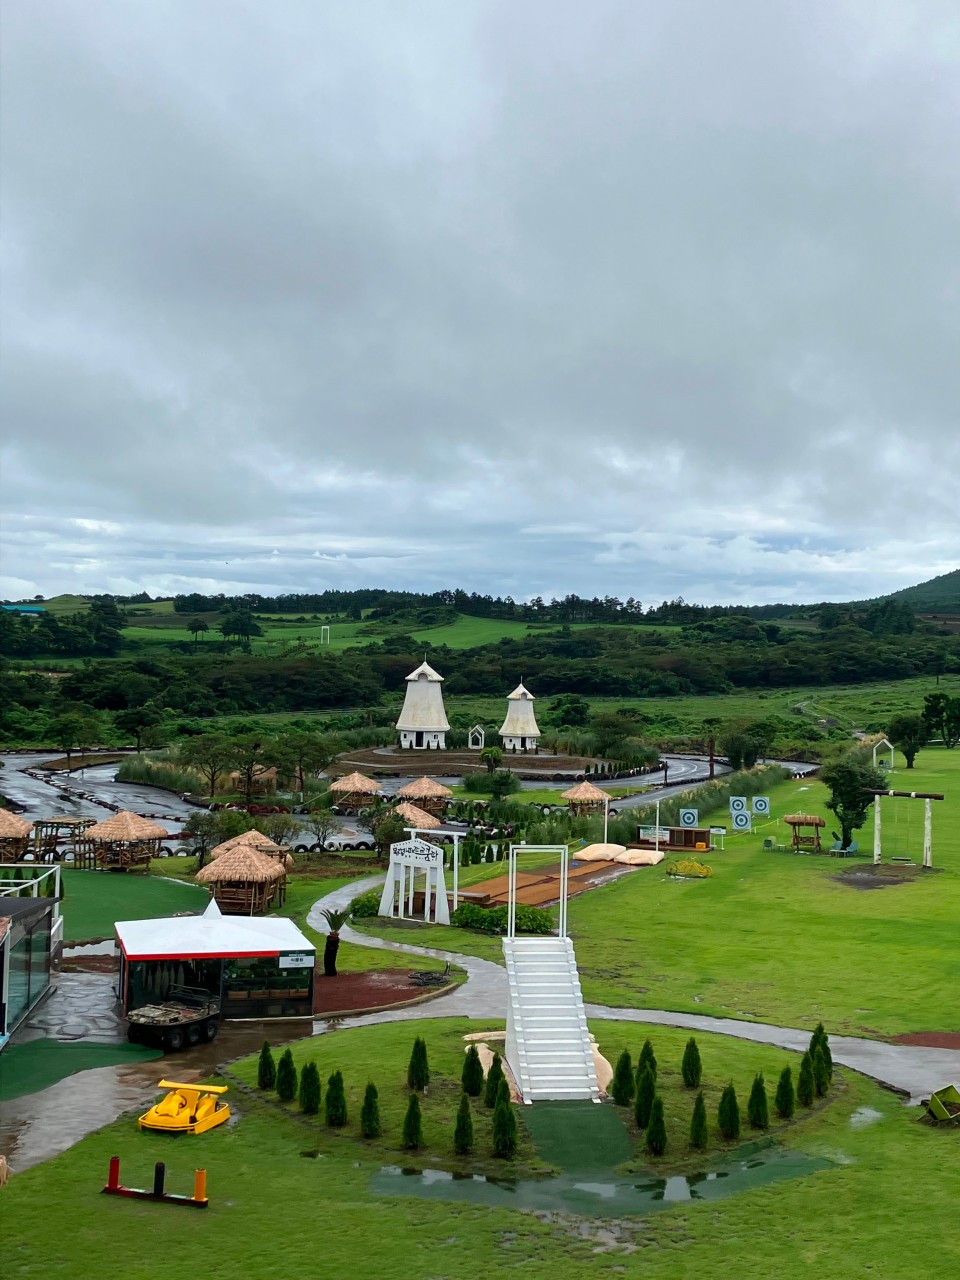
(413, 876)
(928, 833)
(657, 834)
(606, 820)
(876, 830)
(426, 895)
(402, 886)
(456, 869)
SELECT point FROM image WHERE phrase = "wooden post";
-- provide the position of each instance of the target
(876, 832)
(928, 832)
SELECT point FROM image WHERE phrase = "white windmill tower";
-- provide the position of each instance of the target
(519, 731)
(423, 722)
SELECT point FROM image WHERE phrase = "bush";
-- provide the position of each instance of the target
(366, 905)
(691, 1068)
(463, 1132)
(370, 1126)
(646, 1091)
(498, 784)
(806, 1087)
(336, 1102)
(286, 1077)
(412, 1125)
(820, 1041)
(821, 1076)
(494, 919)
(784, 1099)
(492, 1084)
(504, 1129)
(758, 1112)
(688, 868)
(657, 1129)
(472, 1075)
(698, 1125)
(266, 1068)
(728, 1115)
(310, 1089)
(418, 1072)
(622, 1086)
(647, 1059)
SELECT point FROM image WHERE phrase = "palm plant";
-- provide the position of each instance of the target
(492, 757)
(335, 919)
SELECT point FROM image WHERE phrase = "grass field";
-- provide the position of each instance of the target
(37, 1064)
(94, 900)
(879, 1210)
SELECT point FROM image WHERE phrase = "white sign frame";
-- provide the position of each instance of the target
(408, 858)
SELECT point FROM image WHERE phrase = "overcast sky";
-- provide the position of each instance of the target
(649, 298)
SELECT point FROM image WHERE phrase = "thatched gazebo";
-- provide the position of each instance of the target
(243, 881)
(253, 840)
(584, 798)
(428, 794)
(14, 836)
(414, 817)
(806, 829)
(126, 840)
(355, 791)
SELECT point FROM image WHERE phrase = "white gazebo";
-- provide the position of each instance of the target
(519, 731)
(423, 722)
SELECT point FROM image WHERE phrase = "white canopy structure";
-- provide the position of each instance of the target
(210, 936)
(519, 731)
(423, 722)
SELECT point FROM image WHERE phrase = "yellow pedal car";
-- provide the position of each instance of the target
(187, 1108)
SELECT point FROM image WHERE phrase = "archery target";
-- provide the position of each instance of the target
(761, 806)
(689, 817)
(738, 804)
(742, 821)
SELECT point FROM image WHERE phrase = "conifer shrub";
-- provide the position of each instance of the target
(463, 1131)
(310, 1089)
(335, 1105)
(728, 1115)
(646, 1091)
(820, 1040)
(647, 1059)
(370, 1126)
(286, 1077)
(412, 1137)
(758, 1110)
(821, 1076)
(266, 1068)
(623, 1086)
(657, 1129)
(691, 1067)
(806, 1088)
(504, 1129)
(784, 1101)
(492, 1083)
(418, 1072)
(472, 1075)
(698, 1125)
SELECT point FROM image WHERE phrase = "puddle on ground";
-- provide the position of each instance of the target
(593, 1197)
(864, 1116)
(105, 948)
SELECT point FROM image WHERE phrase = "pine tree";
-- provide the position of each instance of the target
(821, 1076)
(413, 1125)
(335, 1107)
(820, 1040)
(286, 1077)
(266, 1068)
(310, 1089)
(504, 1130)
(728, 1115)
(805, 1083)
(463, 1133)
(758, 1111)
(647, 1059)
(657, 1129)
(622, 1086)
(494, 1076)
(698, 1125)
(370, 1126)
(784, 1101)
(418, 1072)
(646, 1091)
(472, 1075)
(691, 1068)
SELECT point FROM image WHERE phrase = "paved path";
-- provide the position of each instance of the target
(909, 1069)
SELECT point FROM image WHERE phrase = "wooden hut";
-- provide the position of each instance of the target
(426, 793)
(419, 818)
(354, 792)
(252, 840)
(126, 840)
(243, 881)
(806, 829)
(14, 836)
(49, 832)
(585, 798)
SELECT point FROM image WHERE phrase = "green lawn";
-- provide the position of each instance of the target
(884, 1204)
(94, 900)
(28, 1068)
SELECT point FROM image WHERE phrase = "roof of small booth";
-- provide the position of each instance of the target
(804, 820)
(241, 865)
(247, 840)
(416, 817)
(211, 936)
(126, 827)
(356, 782)
(425, 789)
(586, 792)
(11, 825)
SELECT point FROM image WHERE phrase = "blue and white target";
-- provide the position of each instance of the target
(761, 806)
(738, 804)
(689, 817)
(742, 821)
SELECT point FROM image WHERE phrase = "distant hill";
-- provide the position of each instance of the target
(937, 595)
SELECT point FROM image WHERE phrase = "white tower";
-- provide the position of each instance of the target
(423, 721)
(519, 732)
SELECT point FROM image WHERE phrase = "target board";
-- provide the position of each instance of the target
(738, 804)
(689, 817)
(742, 821)
(761, 806)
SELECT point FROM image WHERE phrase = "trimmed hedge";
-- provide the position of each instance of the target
(494, 919)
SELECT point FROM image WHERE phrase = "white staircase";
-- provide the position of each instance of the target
(548, 1045)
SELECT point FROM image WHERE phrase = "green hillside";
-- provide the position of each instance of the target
(936, 595)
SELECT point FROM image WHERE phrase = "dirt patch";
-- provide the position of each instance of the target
(348, 992)
(883, 876)
(930, 1039)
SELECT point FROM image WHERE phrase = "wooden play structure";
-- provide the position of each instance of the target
(805, 831)
(125, 841)
(354, 792)
(244, 881)
(906, 855)
(59, 839)
(427, 794)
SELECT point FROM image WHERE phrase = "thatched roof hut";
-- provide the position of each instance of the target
(806, 829)
(249, 840)
(427, 793)
(416, 817)
(243, 881)
(584, 798)
(126, 840)
(14, 836)
(355, 791)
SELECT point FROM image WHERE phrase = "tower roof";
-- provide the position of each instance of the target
(425, 672)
